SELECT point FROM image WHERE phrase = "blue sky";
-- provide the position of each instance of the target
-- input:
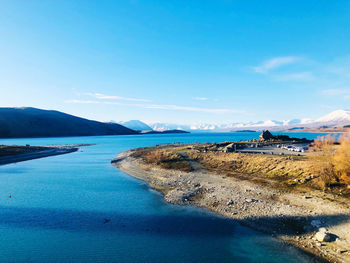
(176, 61)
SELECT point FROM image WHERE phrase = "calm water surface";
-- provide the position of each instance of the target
(58, 207)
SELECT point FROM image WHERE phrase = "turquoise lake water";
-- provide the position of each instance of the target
(58, 207)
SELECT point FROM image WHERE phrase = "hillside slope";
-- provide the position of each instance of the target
(32, 122)
(136, 125)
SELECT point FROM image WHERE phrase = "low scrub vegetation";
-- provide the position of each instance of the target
(327, 165)
(167, 159)
(285, 169)
(341, 159)
(331, 159)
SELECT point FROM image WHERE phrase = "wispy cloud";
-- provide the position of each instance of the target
(344, 93)
(101, 96)
(300, 76)
(161, 107)
(83, 101)
(275, 63)
(75, 101)
(195, 109)
(323, 106)
(200, 98)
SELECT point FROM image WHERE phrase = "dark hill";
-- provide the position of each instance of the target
(164, 132)
(32, 122)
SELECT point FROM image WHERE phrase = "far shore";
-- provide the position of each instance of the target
(292, 216)
(320, 130)
(39, 152)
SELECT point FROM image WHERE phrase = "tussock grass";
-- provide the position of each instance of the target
(167, 159)
(327, 167)
(331, 159)
(283, 168)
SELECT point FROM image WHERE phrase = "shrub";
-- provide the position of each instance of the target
(331, 159)
(322, 160)
(341, 158)
(155, 156)
(166, 159)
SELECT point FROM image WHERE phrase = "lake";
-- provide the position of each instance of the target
(60, 205)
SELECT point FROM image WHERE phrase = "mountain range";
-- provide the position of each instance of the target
(32, 122)
(335, 118)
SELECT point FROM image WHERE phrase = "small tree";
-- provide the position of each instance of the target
(341, 158)
(322, 159)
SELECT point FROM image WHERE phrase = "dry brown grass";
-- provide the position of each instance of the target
(331, 159)
(328, 164)
(321, 159)
(167, 159)
(341, 159)
(283, 168)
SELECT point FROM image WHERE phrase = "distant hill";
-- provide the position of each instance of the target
(296, 128)
(136, 125)
(245, 131)
(164, 132)
(32, 122)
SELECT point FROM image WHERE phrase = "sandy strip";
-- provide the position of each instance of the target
(288, 216)
(35, 155)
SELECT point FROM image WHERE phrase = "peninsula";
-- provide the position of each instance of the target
(274, 193)
(17, 153)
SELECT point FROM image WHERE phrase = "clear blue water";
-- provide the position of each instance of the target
(58, 207)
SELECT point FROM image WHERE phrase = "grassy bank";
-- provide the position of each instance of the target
(285, 172)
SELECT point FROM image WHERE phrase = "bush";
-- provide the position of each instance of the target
(156, 156)
(166, 159)
(322, 160)
(341, 159)
(331, 159)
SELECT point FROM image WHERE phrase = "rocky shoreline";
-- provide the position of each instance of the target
(312, 221)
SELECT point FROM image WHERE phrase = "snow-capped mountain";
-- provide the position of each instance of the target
(158, 126)
(338, 117)
(261, 124)
(335, 117)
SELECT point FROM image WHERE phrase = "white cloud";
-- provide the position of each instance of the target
(112, 97)
(200, 98)
(275, 63)
(161, 107)
(344, 93)
(83, 101)
(301, 76)
(194, 109)
(326, 107)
